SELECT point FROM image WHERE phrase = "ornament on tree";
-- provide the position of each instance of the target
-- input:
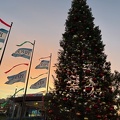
(85, 118)
(88, 109)
(98, 116)
(69, 72)
(88, 89)
(111, 108)
(94, 79)
(87, 72)
(75, 36)
(64, 98)
(95, 106)
(50, 111)
(101, 74)
(78, 113)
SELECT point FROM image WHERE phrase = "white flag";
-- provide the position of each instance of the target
(20, 77)
(3, 34)
(39, 84)
(43, 65)
(23, 52)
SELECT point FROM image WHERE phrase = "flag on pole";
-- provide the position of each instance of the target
(20, 77)
(43, 64)
(18, 91)
(39, 84)
(3, 22)
(44, 57)
(3, 34)
(23, 52)
(24, 43)
(38, 75)
(4, 104)
(6, 39)
(16, 66)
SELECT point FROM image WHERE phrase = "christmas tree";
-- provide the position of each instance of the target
(83, 89)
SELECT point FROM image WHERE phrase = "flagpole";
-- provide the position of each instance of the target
(49, 72)
(14, 103)
(6, 43)
(24, 96)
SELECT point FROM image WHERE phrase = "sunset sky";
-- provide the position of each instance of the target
(44, 22)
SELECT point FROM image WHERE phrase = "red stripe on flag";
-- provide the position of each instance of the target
(5, 23)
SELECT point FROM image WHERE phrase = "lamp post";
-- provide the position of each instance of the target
(14, 102)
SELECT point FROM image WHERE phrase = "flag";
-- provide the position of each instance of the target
(3, 22)
(38, 76)
(44, 57)
(4, 104)
(23, 52)
(3, 34)
(39, 84)
(20, 77)
(18, 91)
(24, 43)
(16, 66)
(43, 65)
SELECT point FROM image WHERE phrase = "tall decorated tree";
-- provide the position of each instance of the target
(83, 89)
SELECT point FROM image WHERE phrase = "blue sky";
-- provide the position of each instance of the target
(107, 18)
(44, 22)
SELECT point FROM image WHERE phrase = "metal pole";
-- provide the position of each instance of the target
(14, 103)
(49, 73)
(24, 96)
